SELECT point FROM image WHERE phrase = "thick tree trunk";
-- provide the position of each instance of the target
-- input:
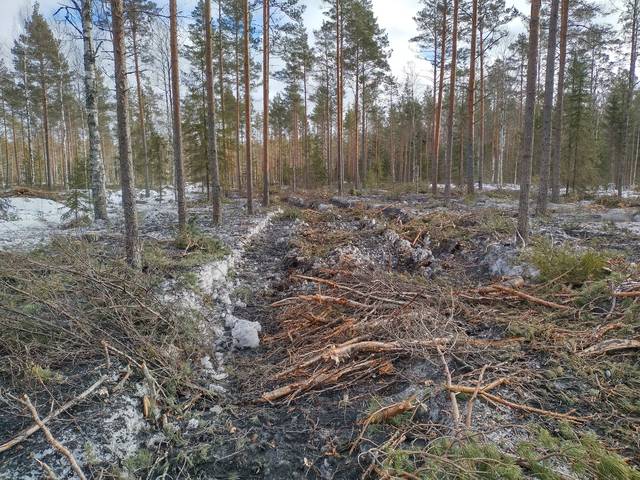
(527, 134)
(556, 149)
(438, 106)
(448, 162)
(177, 125)
(214, 169)
(547, 112)
(265, 103)
(247, 107)
(132, 242)
(469, 138)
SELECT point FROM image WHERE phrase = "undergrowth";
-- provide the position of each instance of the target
(566, 264)
(63, 301)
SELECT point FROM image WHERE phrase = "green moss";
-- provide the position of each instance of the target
(139, 462)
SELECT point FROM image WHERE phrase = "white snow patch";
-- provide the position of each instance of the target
(29, 221)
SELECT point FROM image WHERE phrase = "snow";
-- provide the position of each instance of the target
(29, 221)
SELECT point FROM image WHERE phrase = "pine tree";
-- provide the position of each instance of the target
(132, 241)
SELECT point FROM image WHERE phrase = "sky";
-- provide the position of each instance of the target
(395, 16)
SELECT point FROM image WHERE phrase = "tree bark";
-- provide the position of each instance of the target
(547, 112)
(438, 106)
(527, 135)
(265, 103)
(339, 115)
(469, 139)
(448, 162)
(214, 168)
(247, 107)
(177, 125)
(132, 242)
(556, 150)
(45, 122)
(98, 188)
(143, 130)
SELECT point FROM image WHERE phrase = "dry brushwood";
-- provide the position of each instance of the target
(483, 393)
(52, 440)
(612, 345)
(321, 378)
(22, 436)
(523, 296)
(323, 299)
(385, 414)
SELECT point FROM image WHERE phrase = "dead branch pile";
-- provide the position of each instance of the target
(71, 301)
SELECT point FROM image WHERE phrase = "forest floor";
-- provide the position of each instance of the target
(399, 337)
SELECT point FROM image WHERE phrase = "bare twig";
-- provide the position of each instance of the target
(455, 411)
(52, 441)
(22, 436)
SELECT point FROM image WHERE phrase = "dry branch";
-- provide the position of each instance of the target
(51, 439)
(323, 299)
(349, 289)
(516, 406)
(523, 296)
(611, 346)
(22, 436)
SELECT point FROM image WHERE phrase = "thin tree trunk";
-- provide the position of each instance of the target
(177, 126)
(438, 109)
(247, 107)
(45, 121)
(448, 162)
(143, 131)
(527, 134)
(340, 95)
(222, 154)
(547, 112)
(556, 149)
(469, 140)
(482, 103)
(214, 168)
(132, 242)
(628, 105)
(237, 45)
(265, 103)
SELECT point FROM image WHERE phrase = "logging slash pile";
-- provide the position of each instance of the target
(457, 373)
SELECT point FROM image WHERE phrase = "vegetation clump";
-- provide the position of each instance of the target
(567, 265)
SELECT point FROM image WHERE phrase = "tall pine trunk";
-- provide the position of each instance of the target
(556, 149)
(448, 162)
(547, 112)
(141, 119)
(527, 135)
(247, 107)
(340, 162)
(132, 241)
(469, 141)
(438, 106)
(177, 126)
(214, 169)
(265, 103)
